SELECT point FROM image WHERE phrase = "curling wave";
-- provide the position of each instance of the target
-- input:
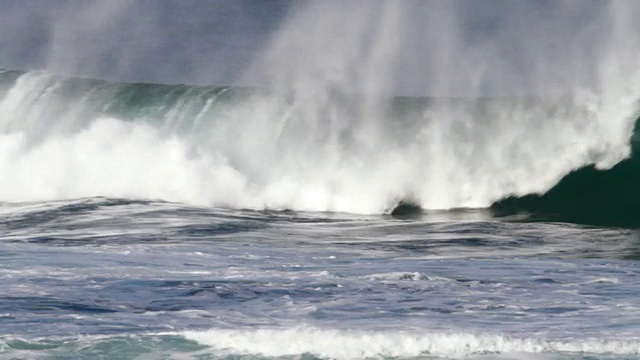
(585, 196)
(63, 138)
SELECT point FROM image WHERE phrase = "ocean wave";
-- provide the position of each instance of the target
(317, 343)
(354, 344)
(249, 148)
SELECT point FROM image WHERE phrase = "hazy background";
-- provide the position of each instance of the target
(174, 41)
(491, 45)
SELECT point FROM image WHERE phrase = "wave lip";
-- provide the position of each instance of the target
(356, 344)
(586, 196)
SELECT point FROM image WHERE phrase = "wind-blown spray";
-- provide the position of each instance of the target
(363, 104)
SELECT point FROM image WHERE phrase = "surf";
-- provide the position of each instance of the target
(257, 148)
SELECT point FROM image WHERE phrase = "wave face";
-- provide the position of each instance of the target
(64, 138)
(585, 196)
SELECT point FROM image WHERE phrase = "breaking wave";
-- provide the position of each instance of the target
(316, 343)
(251, 148)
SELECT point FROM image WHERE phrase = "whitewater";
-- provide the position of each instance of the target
(244, 148)
(377, 180)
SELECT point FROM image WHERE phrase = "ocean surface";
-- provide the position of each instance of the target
(123, 279)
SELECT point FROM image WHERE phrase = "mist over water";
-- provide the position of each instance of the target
(186, 41)
(567, 92)
(447, 104)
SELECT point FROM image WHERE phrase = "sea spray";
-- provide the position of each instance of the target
(391, 102)
(527, 91)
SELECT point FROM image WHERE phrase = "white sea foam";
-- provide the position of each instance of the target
(355, 344)
(114, 158)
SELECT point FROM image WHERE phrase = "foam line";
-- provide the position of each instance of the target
(353, 344)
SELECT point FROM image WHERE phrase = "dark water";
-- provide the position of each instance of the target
(586, 196)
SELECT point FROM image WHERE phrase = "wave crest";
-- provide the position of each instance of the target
(354, 344)
(250, 148)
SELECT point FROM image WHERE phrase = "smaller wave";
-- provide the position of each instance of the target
(355, 344)
(406, 276)
(310, 343)
(100, 347)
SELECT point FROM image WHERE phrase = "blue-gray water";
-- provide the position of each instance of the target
(117, 279)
